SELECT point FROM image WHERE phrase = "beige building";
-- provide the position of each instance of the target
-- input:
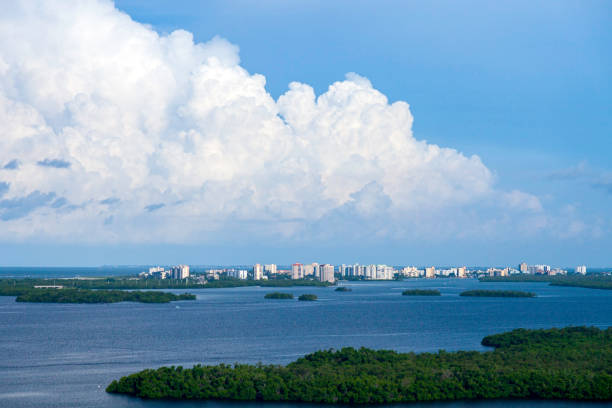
(430, 272)
(327, 273)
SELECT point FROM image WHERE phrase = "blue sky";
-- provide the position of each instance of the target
(526, 87)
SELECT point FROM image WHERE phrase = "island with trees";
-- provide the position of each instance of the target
(278, 295)
(135, 283)
(593, 281)
(498, 293)
(573, 363)
(343, 289)
(421, 292)
(308, 297)
(70, 295)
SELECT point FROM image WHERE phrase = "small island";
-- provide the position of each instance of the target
(308, 297)
(558, 364)
(421, 292)
(343, 289)
(278, 295)
(97, 296)
(497, 293)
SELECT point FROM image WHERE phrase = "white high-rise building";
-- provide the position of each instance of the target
(327, 273)
(180, 272)
(297, 271)
(581, 269)
(308, 270)
(257, 272)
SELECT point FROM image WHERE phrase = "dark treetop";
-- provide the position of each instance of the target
(308, 297)
(572, 363)
(71, 295)
(278, 295)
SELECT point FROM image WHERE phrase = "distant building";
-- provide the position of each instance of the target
(461, 272)
(242, 274)
(297, 271)
(308, 270)
(581, 269)
(327, 273)
(430, 272)
(523, 267)
(258, 272)
(180, 272)
(270, 269)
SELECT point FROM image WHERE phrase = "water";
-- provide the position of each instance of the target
(56, 355)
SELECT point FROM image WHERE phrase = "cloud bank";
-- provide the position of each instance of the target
(155, 138)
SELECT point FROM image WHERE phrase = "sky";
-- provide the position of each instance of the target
(235, 132)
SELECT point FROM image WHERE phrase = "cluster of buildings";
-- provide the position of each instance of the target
(159, 272)
(329, 273)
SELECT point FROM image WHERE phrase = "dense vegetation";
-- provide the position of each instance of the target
(343, 289)
(572, 363)
(96, 296)
(278, 295)
(308, 297)
(594, 281)
(135, 283)
(421, 292)
(497, 293)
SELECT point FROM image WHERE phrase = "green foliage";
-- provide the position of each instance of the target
(308, 297)
(593, 281)
(421, 292)
(343, 289)
(278, 295)
(497, 293)
(573, 363)
(95, 296)
(12, 287)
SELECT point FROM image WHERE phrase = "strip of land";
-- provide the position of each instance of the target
(574, 363)
(421, 292)
(70, 295)
(597, 281)
(497, 293)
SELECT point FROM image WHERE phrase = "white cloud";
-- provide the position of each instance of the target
(164, 139)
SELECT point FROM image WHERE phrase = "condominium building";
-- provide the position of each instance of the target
(297, 271)
(258, 272)
(270, 269)
(430, 272)
(327, 273)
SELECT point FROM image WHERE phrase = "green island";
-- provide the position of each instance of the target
(573, 363)
(133, 283)
(497, 293)
(343, 289)
(278, 295)
(34, 295)
(307, 297)
(594, 281)
(421, 292)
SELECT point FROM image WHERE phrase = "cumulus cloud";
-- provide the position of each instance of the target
(146, 119)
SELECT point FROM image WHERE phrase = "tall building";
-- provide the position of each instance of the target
(270, 269)
(581, 269)
(308, 270)
(461, 272)
(430, 272)
(316, 269)
(180, 272)
(257, 272)
(327, 273)
(297, 271)
(523, 267)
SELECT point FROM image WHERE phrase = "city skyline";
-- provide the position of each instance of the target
(231, 133)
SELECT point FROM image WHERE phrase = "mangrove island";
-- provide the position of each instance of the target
(308, 297)
(421, 292)
(278, 295)
(573, 363)
(497, 293)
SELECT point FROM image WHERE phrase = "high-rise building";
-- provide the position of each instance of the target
(257, 272)
(308, 270)
(581, 269)
(316, 270)
(327, 273)
(430, 272)
(523, 267)
(461, 272)
(297, 271)
(180, 272)
(270, 269)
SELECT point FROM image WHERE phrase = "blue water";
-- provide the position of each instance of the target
(56, 355)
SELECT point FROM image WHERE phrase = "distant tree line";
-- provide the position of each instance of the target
(497, 293)
(593, 281)
(421, 292)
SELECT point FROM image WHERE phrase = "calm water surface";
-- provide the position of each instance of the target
(54, 355)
